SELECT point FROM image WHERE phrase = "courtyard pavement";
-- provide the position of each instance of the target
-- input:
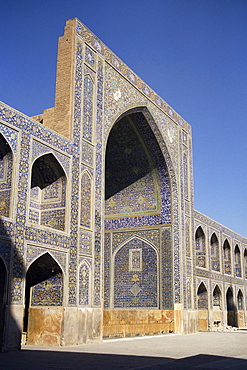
(205, 350)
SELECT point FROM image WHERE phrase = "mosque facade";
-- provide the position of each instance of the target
(99, 237)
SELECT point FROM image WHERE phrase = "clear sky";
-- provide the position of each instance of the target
(193, 53)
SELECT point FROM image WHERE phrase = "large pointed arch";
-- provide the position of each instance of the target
(128, 203)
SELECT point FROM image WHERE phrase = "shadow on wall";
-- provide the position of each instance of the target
(11, 278)
(232, 312)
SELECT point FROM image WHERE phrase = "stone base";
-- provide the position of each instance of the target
(54, 326)
(190, 321)
(128, 323)
(45, 326)
(203, 320)
(240, 319)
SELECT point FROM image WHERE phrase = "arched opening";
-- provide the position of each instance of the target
(231, 308)
(48, 193)
(136, 177)
(137, 285)
(6, 168)
(217, 297)
(227, 257)
(202, 304)
(237, 258)
(240, 299)
(44, 289)
(245, 263)
(200, 247)
(137, 196)
(3, 281)
(217, 306)
(240, 314)
(202, 297)
(215, 256)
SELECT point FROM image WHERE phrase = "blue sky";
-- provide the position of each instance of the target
(193, 53)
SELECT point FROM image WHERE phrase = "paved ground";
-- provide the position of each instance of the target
(171, 351)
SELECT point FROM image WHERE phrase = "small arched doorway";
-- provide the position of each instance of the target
(43, 302)
(3, 281)
(231, 308)
(202, 304)
(240, 315)
(217, 306)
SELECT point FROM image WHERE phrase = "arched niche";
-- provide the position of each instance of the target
(231, 308)
(237, 260)
(136, 176)
(202, 305)
(227, 258)
(139, 185)
(200, 247)
(202, 297)
(245, 263)
(240, 300)
(217, 297)
(136, 275)
(6, 170)
(215, 253)
(48, 193)
(44, 285)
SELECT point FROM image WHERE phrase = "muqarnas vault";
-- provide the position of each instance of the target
(98, 233)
